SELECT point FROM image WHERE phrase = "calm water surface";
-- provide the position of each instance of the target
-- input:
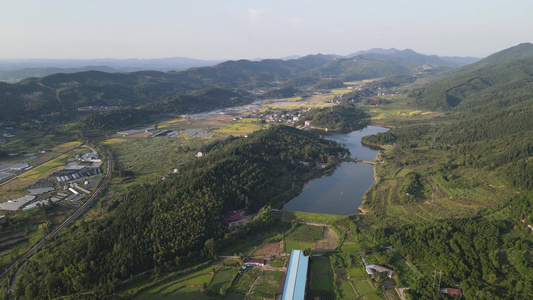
(340, 192)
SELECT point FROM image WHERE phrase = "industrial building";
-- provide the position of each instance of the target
(296, 279)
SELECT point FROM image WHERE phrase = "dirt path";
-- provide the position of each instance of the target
(51, 88)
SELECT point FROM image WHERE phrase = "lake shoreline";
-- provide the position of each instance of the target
(340, 188)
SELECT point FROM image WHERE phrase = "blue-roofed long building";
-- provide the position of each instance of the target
(296, 279)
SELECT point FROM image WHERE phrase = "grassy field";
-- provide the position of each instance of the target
(248, 245)
(306, 233)
(184, 292)
(350, 248)
(288, 216)
(346, 291)
(363, 288)
(240, 128)
(357, 273)
(148, 286)
(152, 157)
(244, 282)
(278, 262)
(49, 167)
(340, 91)
(300, 105)
(321, 274)
(222, 279)
(266, 286)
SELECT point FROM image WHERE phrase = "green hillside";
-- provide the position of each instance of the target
(57, 97)
(501, 79)
(178, 222)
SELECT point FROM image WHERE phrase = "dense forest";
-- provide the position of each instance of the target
(488, 256)
(343, 117)
(177, 222)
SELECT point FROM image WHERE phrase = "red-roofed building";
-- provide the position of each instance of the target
(450, 291)
(236, 216)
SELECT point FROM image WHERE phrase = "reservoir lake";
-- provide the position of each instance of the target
(341, 191)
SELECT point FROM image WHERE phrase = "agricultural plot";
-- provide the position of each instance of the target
(321, 274)
(269, 249)
(363, 288)
(306, 233)
(287, 216)
(153, 157)
(247, 246)
(303, 237)
(330, 241)
(300, 105)
(169, 286)
(222, 279)
(184, 292)
(266, 286)
(346, 291)
(391, 294)
(239, 128)
(357, 273)
(278, 262)
(244, 282)
(48, 168)
(350, 248)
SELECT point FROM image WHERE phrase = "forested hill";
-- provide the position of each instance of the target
(344, 117)
(177, 222)
(58, 96)
(500, 80)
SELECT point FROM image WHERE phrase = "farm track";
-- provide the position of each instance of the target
(26, 256)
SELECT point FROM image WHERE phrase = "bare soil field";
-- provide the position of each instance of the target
(268, 249)
(330, 241)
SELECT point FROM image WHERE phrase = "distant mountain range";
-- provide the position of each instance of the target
(58, 96)
(15, 70)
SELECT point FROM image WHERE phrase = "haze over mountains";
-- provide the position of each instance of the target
(160, 91)
(15, 70)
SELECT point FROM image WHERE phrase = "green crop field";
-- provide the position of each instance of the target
(248, 245)
(187, 292)
(357, 273)
(267, 285)
(350, 248)
(151, 286)
(306, 233)
(244, 282)
(239, 128)
(287, 215)
(321, 274)
(346, 291)
(277, 262)
(363, 288)
(50, 166)
(222, 279)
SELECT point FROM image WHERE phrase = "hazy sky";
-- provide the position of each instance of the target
(232, 29)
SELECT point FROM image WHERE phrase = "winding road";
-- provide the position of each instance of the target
(26, 256)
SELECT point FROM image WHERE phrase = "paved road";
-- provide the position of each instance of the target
(26, 256)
